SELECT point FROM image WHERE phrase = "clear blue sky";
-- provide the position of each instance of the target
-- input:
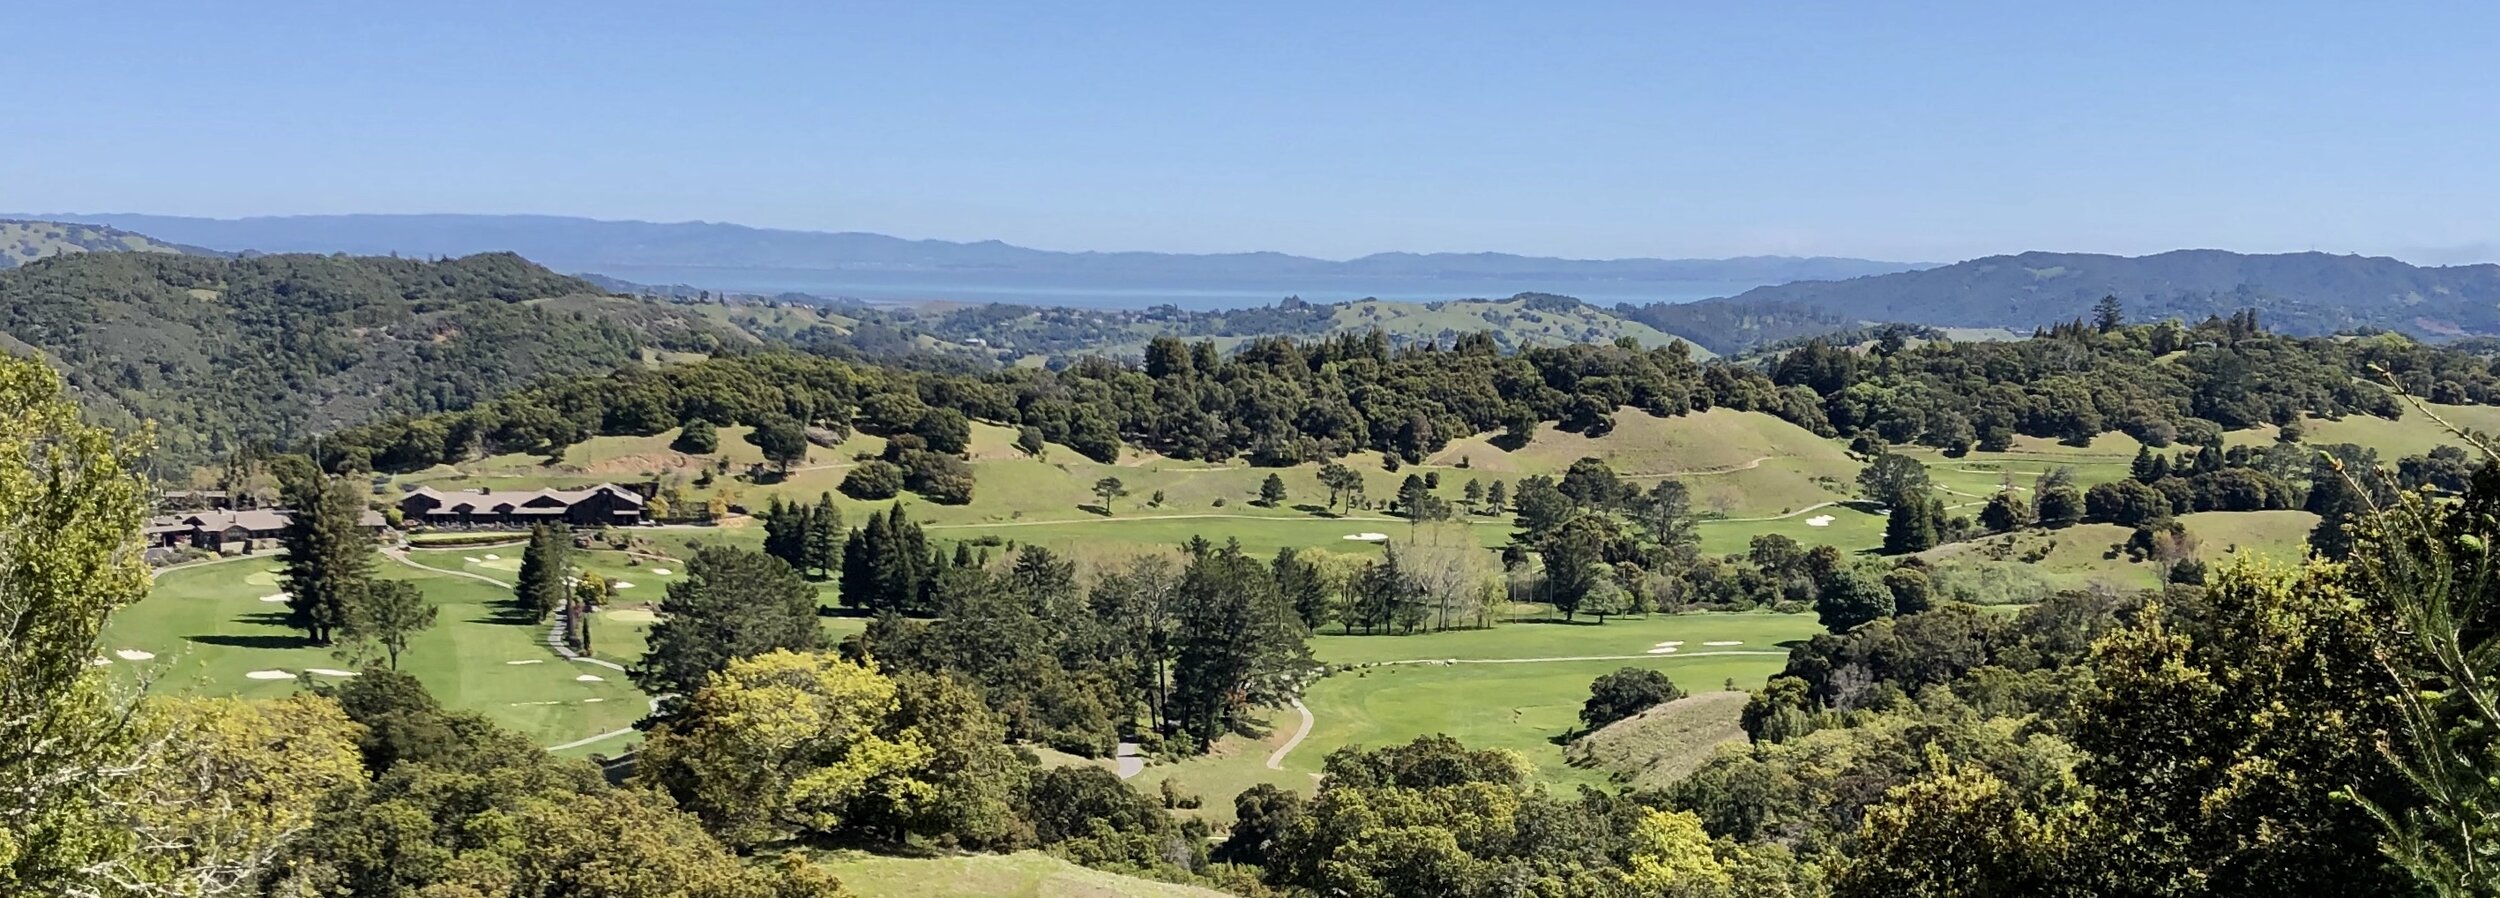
(1577, 129)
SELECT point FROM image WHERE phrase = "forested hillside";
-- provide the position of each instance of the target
(1281, 401)
(222, 352)
(2300, 293)
(1012, 331)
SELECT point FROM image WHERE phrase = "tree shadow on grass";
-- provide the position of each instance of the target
(253, 642)
(507, 615)
(1582, 622)
(263, 619)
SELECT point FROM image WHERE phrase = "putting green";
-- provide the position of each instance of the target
(261, 578)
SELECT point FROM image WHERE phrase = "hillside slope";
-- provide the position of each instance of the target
(25, 241)
(2301, 293)
(221, 352)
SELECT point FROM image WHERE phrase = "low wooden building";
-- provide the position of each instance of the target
(218, 530)
(604, 504)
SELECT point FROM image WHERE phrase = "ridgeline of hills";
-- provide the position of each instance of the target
(582, 244)
(226, 351)
(2299, 293)
(25, 241)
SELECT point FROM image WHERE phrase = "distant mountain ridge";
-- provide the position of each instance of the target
(583, 244)
(2300, 293)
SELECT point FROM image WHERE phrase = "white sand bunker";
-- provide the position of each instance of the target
(530, 704)
(1368, 537)
(620, 584)
(328, 672)
(528, 661)
(133, 654)
(589, 700)
(1726, 642)
(1820, 520)
(274, 598)
(632, 616)
(1663, 650)
(1672, 643)
(100, 662)
(269, 675)
(659, 571)
(589, 678)
(472, 559)
(494, 558)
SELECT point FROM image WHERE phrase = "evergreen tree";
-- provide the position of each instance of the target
(1239, 643)
(1272, 491)
(2060, 506)
(1304, 587)
(329, 556)
(1909, 527)
(732, 603)
(824, 537)
(541, 589)
(1496, 496)
(2108, 315)
(785, 533)
(1575, 563)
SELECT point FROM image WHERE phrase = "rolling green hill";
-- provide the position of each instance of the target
(25, 241)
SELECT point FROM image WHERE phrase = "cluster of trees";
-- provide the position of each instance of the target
(2161, 383)
(1190, 646)
(328, 579)
(1434, 818)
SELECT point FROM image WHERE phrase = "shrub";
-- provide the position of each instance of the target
(873, 480)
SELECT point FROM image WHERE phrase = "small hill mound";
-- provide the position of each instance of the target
(1029, 874)
(1661, 745)
(1735, 463)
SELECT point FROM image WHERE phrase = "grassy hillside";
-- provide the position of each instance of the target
(25, 241)
(1029, 874)
(1658, 746)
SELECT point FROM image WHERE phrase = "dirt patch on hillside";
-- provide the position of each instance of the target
(645, 462)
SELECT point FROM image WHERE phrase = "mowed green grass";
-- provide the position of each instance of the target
(1029, 874)
(2413, 434)
(208, 628)
(622, 630)
(1520, 705)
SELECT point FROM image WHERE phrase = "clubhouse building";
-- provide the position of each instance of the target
(605, 504)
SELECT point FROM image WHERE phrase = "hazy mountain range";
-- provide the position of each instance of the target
(582, 244)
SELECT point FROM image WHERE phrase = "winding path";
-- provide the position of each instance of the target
(1276, 759)
(1702, 472)
(1565, 658)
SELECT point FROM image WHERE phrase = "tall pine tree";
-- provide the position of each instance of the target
(824, 537)
(541, 589)
(329, 557)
